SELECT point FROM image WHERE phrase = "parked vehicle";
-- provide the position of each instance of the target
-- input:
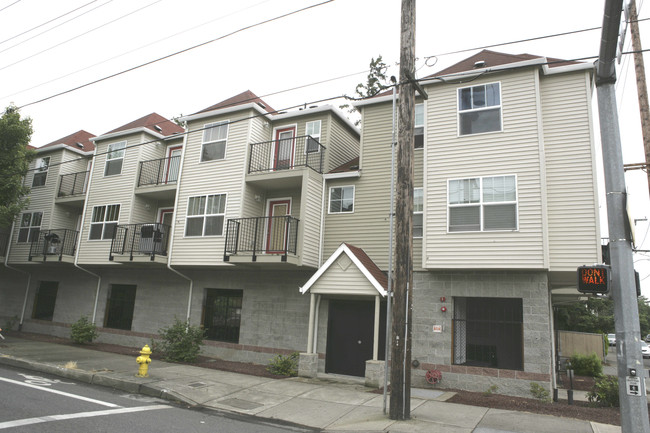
(647, 338)
(645, 349)
(611, 338)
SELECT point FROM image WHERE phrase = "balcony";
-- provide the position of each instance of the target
(158, 177)
(287, 154)
(72, 188)
(262, 239)
(59, 245)
(145, 242)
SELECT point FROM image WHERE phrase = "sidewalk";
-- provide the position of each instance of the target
(316, 403)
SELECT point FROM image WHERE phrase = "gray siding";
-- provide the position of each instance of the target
(342, 146)
(310, 221)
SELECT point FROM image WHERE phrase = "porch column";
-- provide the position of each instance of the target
(375, 344)
(312, 311)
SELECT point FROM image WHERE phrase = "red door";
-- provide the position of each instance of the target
(284, 148)
(276, 235)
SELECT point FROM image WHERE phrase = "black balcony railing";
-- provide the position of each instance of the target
(73, 184)
(4, 243)
(145, 239)
(286, 154)
(54, 244)
(262, 235)
(159, 171)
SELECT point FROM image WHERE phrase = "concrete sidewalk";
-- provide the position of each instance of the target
(317, 403)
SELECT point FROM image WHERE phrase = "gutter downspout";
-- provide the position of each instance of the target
(173, 227)
(29, 275)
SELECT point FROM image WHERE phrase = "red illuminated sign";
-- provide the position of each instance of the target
(593, 279)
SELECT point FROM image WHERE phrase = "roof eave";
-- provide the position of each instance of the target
(227, 110)
(128, 132)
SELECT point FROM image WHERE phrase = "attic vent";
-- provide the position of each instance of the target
(354, 167)
(313, 106)
(261, 105)
(79, 145)
(479, 64)
(158, 128)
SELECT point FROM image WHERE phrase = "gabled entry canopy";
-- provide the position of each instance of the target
(348, 271)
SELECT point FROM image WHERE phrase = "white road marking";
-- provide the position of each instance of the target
(50, 418)
(54, 391)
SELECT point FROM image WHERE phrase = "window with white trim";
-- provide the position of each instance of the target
(479, 109)
(103, 222)
(482, 204)
(30, 226)
(341, 199)
(418, 131)
(205, 215)
(312, 130)
(213, 146)
(114, 158)
(40, 174)
(418, 212)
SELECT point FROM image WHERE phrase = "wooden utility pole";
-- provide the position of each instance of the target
(641, 87)
(400, 378)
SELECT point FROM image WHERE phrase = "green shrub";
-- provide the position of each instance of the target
(181, 341)
(539, 392)
(492, 389)
(605, 392)
(586, 365)
(83, 331)
(284, 365)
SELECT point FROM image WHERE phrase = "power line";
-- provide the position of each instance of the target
(8, 6)
(260, 23)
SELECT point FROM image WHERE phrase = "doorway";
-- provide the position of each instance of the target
(284, 148)
(276, 236)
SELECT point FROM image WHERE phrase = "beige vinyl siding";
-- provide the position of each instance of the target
(343, 277)
(213, 177)
(514, 151)
(573, 224)
(310, 221)
(342, 146)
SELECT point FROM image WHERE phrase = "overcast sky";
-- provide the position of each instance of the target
(337, 39)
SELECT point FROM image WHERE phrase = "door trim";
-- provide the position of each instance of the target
(276, 141)
(269, 213)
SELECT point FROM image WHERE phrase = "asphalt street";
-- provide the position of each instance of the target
(32, 401)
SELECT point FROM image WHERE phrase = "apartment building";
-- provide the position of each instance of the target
(271, 229)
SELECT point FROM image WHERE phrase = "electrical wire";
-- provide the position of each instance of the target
(10, 5)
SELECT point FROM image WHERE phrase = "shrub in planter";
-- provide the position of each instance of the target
(605, 392)
(83, 331)
(181, 341)
(284, 365)
(587, 365)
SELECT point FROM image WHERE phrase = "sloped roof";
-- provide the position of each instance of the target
(150, 121)
(82, 137)
(351, 165)
(246, 97)
(370, 270)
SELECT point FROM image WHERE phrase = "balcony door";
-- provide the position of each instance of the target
(284, 148)
(276, 233)
(173, 164)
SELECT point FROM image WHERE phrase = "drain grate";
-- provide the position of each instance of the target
(197, 384)
(240, 404)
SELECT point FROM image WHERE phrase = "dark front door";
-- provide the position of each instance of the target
(349, 337)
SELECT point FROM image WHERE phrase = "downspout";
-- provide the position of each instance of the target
(81, 229)
(29, 275)
(318, 297)
(322, 224)
(171, 241)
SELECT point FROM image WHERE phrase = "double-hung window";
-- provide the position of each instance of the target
(215, 136)
(341, 199)
(482, 204)
(103, 222)
(114, 158)
(479, 109)
(40, 175)
(312, 131)
(30, 226)
(418, 132)
(205, 215)
(418, 209)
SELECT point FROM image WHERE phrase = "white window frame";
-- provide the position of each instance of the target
(481, 204)
(420, 211)
(313, 135)
(460, 112)
(417, 125)
(205, 215)
(113, 155)
(208, 127)
(42, 167)
(104, 222)
(31, 229)
(329, 203)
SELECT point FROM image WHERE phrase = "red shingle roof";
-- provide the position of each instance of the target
(82, 137)
(352, 165)
(150, 121)
(241, 99)
(367, 262)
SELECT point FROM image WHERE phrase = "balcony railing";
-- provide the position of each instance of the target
(262, 235)
(4, 243)
(54, 244)
(145, 239)
(286, 154)
(73, 184)
(159, 171)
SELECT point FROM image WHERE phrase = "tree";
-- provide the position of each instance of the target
(15, 156)
(597, 315)
(376, 82)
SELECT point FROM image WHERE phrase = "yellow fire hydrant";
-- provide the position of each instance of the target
(144, 360)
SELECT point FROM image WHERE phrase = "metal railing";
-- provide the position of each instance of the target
(54, 244)
(159, 171)
(73, 184)
(4, 243)
(286, 154)
(261, 235)
(144, 239)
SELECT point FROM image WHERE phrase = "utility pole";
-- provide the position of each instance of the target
(631, 374)
(400, 378)
(641, 87)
